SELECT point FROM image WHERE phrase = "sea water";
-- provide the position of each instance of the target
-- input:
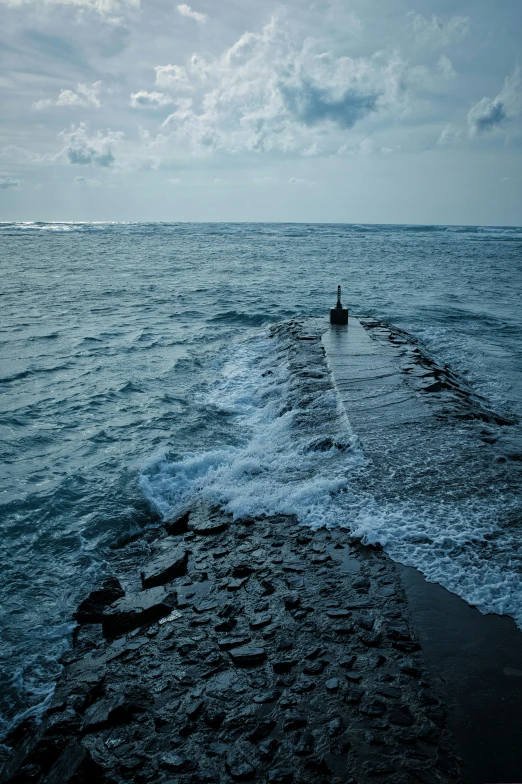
(137, 371)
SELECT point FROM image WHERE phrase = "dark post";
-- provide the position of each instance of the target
(338, 315)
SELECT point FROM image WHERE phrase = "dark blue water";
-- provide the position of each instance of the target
(133, 363)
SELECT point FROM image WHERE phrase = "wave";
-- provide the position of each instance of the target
(297, 454)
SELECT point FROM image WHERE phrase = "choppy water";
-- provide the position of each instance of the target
(136, 370)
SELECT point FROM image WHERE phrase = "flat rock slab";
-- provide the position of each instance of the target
(247, 656)
(165, 567)
(137, 610)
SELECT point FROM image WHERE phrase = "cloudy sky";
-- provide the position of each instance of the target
(378, 111)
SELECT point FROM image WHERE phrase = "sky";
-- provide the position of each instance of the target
(352, 111)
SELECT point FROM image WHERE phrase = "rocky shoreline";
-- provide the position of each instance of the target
(227, 650)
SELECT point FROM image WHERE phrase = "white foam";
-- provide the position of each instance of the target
(273, 470)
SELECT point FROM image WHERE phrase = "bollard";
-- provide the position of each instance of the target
(338, 315)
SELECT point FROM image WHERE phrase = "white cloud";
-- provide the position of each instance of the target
(265, 180)
(145, 100)
(186, 10)
(173, 77)
(435, 32)
(363, 147)
(449, 135)
(83, 96)
(490, 114)
(175, 180)
(83, 148)
(7, 183)
(300, 181)
(267, 93)
(87, 182)
(109, 10)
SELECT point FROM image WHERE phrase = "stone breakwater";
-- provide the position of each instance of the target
(229, 650)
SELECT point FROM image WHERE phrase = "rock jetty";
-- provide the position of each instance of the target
(226, 650)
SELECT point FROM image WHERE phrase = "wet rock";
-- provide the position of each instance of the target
(390, 691)
(304, 745)
(292, 600)
(373, 708)
(204, 607)
(260, 620)
(91, 609)
(247, 656)
(401, 633)
(242, 570)
(176, 763)
(268, 588)
(335, 726)
(294, 720)
(207, 527)
(429, 732)
(283, 666)
(267, 697)
(75, 765)
(195, 709)
(410, 668)
(137, 610)
(401, 716)
(280, 776)
(233, 641)
(111, 711)
(314, 668)
(361, 585)
(407, 646)
(238, 765)
(371, 639)
(261, 731)
(226, 626)
(427, 697)
(338, 613)
(214, 717)
(179, 525)
(267, 749)
(235, 585)
(332, 684)
(303, 685)
(164, 567)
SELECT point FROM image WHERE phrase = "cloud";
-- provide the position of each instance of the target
(301, 182)
(145, 100)
(84, 96)
(268, 93)
(363, 147)
(265, 180)
(173, 77)
(186, 10)
(83, 148)
(449, 135)
(437, 33)
(8, 182)
(489, 114)
(311, 104)
(109, 10)
(87, 182)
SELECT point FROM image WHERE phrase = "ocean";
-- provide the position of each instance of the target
(137, 371)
